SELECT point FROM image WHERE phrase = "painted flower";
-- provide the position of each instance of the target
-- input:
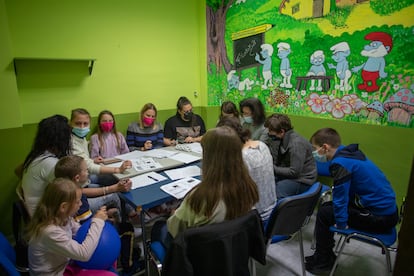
(317, 102)
(396, 86)
(338, 108)
(354, 101)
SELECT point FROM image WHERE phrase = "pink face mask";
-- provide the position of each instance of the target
(148, 121)
(107, 126)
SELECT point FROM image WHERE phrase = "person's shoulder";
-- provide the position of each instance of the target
(199, 118)
(172, 120)
(157, 126)
(133, 126)
(120, 134)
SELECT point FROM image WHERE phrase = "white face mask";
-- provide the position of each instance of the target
(248, 119)
(319, 157)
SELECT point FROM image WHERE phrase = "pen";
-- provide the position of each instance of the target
(153, 178)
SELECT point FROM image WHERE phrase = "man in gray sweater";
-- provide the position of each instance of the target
(293, 162)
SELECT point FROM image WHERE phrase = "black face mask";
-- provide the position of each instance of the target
(274, 137)
(188, 115)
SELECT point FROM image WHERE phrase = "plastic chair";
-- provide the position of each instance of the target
(289, 216)
(7, 257)
(385, 241)
(226, 248)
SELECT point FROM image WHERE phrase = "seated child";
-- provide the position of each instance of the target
(107, 142)
(74, 168)
(50, 231)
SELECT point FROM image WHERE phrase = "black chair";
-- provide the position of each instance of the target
(225, 248)
(289, 216)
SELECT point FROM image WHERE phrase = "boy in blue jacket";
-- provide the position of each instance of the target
(362, 197)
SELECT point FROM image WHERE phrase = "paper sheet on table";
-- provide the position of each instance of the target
(185, 157)
(190, 147)
(180, 188)
(159, 153)
(136, 154)
(146, 179)
(189, 171)
(145, 164)
(196, 147)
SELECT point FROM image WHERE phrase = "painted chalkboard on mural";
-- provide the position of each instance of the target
(246, 44)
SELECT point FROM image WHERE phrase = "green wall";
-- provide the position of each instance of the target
(145, 52)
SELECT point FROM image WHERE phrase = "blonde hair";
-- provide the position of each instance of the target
(47, 211)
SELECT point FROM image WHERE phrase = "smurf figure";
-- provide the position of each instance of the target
(285, 70)
(340, 53)
(266, 53)
(233, 81)
(317, 69)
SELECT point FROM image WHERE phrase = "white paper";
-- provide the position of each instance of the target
(180, 188)
(136, 154)
(190, 147)
(189, 171)
(145, 164)
(196, 147)
(146, 179)
(185, 157)
(159, 153)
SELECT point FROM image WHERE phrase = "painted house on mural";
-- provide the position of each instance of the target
(299, 9)
(344, 3)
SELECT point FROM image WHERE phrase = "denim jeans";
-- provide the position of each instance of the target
(96, 202)
(288, 187)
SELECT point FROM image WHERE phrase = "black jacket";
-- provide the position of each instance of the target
(217, 249)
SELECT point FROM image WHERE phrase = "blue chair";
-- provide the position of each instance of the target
(385, 241)
(290, 215)
(7, 257)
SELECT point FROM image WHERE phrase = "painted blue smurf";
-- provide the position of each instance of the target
(266, 53)
(340, 52)
(373, 68)
(285, 70)
(317, 69)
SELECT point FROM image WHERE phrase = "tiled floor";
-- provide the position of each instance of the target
(358, 258)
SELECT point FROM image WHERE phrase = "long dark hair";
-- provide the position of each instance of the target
(53, 135)
(257, 108)
(234, 123)
(228, 107)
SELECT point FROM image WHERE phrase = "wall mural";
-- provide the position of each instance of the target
(350, 60)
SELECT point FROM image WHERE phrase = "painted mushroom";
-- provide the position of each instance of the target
(375, 110)
(400, 106)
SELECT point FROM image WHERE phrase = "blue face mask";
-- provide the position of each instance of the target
(80, 132)
(319, 157)
(248, 119)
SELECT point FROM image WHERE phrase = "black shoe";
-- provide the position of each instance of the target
(309, 259)
(136, 268)
(320, 264)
